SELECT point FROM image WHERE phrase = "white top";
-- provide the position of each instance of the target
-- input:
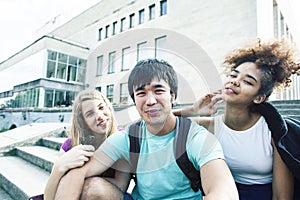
(248, 153)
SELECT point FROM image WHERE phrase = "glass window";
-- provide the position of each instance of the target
(59, 98)
(99, 88)
(100, 34)
(69, 98)
(48, 102)
(99, 65)
(62, 57)
(72, 60)
(114, 28)
(281, 25)
(131, 21)
(122, 25)
(275, 18)
(141, 16)
(126, 59)
(106, 31)
(110, 92)
(72, 71)
(142, 51)
(111, 62)
(124, 93)
(163, 7)
(61, 70)
(50, 69)
(152, 12)
(81, 75)
(52, 55)
(160, 47)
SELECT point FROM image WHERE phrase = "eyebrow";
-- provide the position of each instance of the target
(248, 75)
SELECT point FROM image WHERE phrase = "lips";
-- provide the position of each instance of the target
(229, 90)
(102, 123)
(152, 112)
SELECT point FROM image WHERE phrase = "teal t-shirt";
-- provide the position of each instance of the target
(158, 175)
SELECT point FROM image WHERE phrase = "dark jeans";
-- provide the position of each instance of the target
(255, 192)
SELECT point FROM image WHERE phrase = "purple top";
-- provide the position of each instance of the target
(67, 145)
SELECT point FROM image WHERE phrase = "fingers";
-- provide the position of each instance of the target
(88, 147)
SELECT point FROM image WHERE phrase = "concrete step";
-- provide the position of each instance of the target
(276, 102)
(289, 111)
(287, 106)
(40, 156)
(4, 195)
(297, 117)
(21, 179)
(52, 142)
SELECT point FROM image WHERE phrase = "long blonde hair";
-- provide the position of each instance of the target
(79, 129)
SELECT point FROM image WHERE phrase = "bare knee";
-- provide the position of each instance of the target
(99, 188)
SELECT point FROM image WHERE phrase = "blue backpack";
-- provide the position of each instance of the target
(182, 160)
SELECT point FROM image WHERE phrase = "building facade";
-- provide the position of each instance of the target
(97, 48)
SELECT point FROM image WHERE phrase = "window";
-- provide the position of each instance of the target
(142, 51)
(62, 57)
(50, 69)
(163, 7)
(81, 71)
(110, 92)
(106, 31)
(126, 59)
(98, 88)
(111, 62)
(122, 25)
(151, 12)
(52, 55)
(114, 28)
(141, 16)
(160, 46)
(100, 34)
(131, 21)
(124, 93)
(275, 18)
(72, 69)
(61, 70)
(65, 67)
(99, 65)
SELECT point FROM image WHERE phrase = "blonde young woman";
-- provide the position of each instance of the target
(93, 121)
(253, 72)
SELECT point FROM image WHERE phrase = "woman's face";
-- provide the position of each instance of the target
(97, 116)
(243, 83)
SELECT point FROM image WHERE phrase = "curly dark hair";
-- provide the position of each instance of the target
(276, 60)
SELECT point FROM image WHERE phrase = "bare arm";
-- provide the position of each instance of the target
(76, 157)
(217, 181)
(203, 106)
(71, 184)
(283, 180)
(122, 175)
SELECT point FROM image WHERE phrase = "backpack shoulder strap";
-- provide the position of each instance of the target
(181, 156)
(135, 132)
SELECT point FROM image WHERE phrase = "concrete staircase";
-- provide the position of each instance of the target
(25, 166)
(24, 171)
(288, 108)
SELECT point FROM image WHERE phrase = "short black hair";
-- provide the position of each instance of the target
(146, 70)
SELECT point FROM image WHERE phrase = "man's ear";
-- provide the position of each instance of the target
(173, 98)
(259, 99)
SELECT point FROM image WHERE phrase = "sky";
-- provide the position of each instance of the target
(22, 20)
